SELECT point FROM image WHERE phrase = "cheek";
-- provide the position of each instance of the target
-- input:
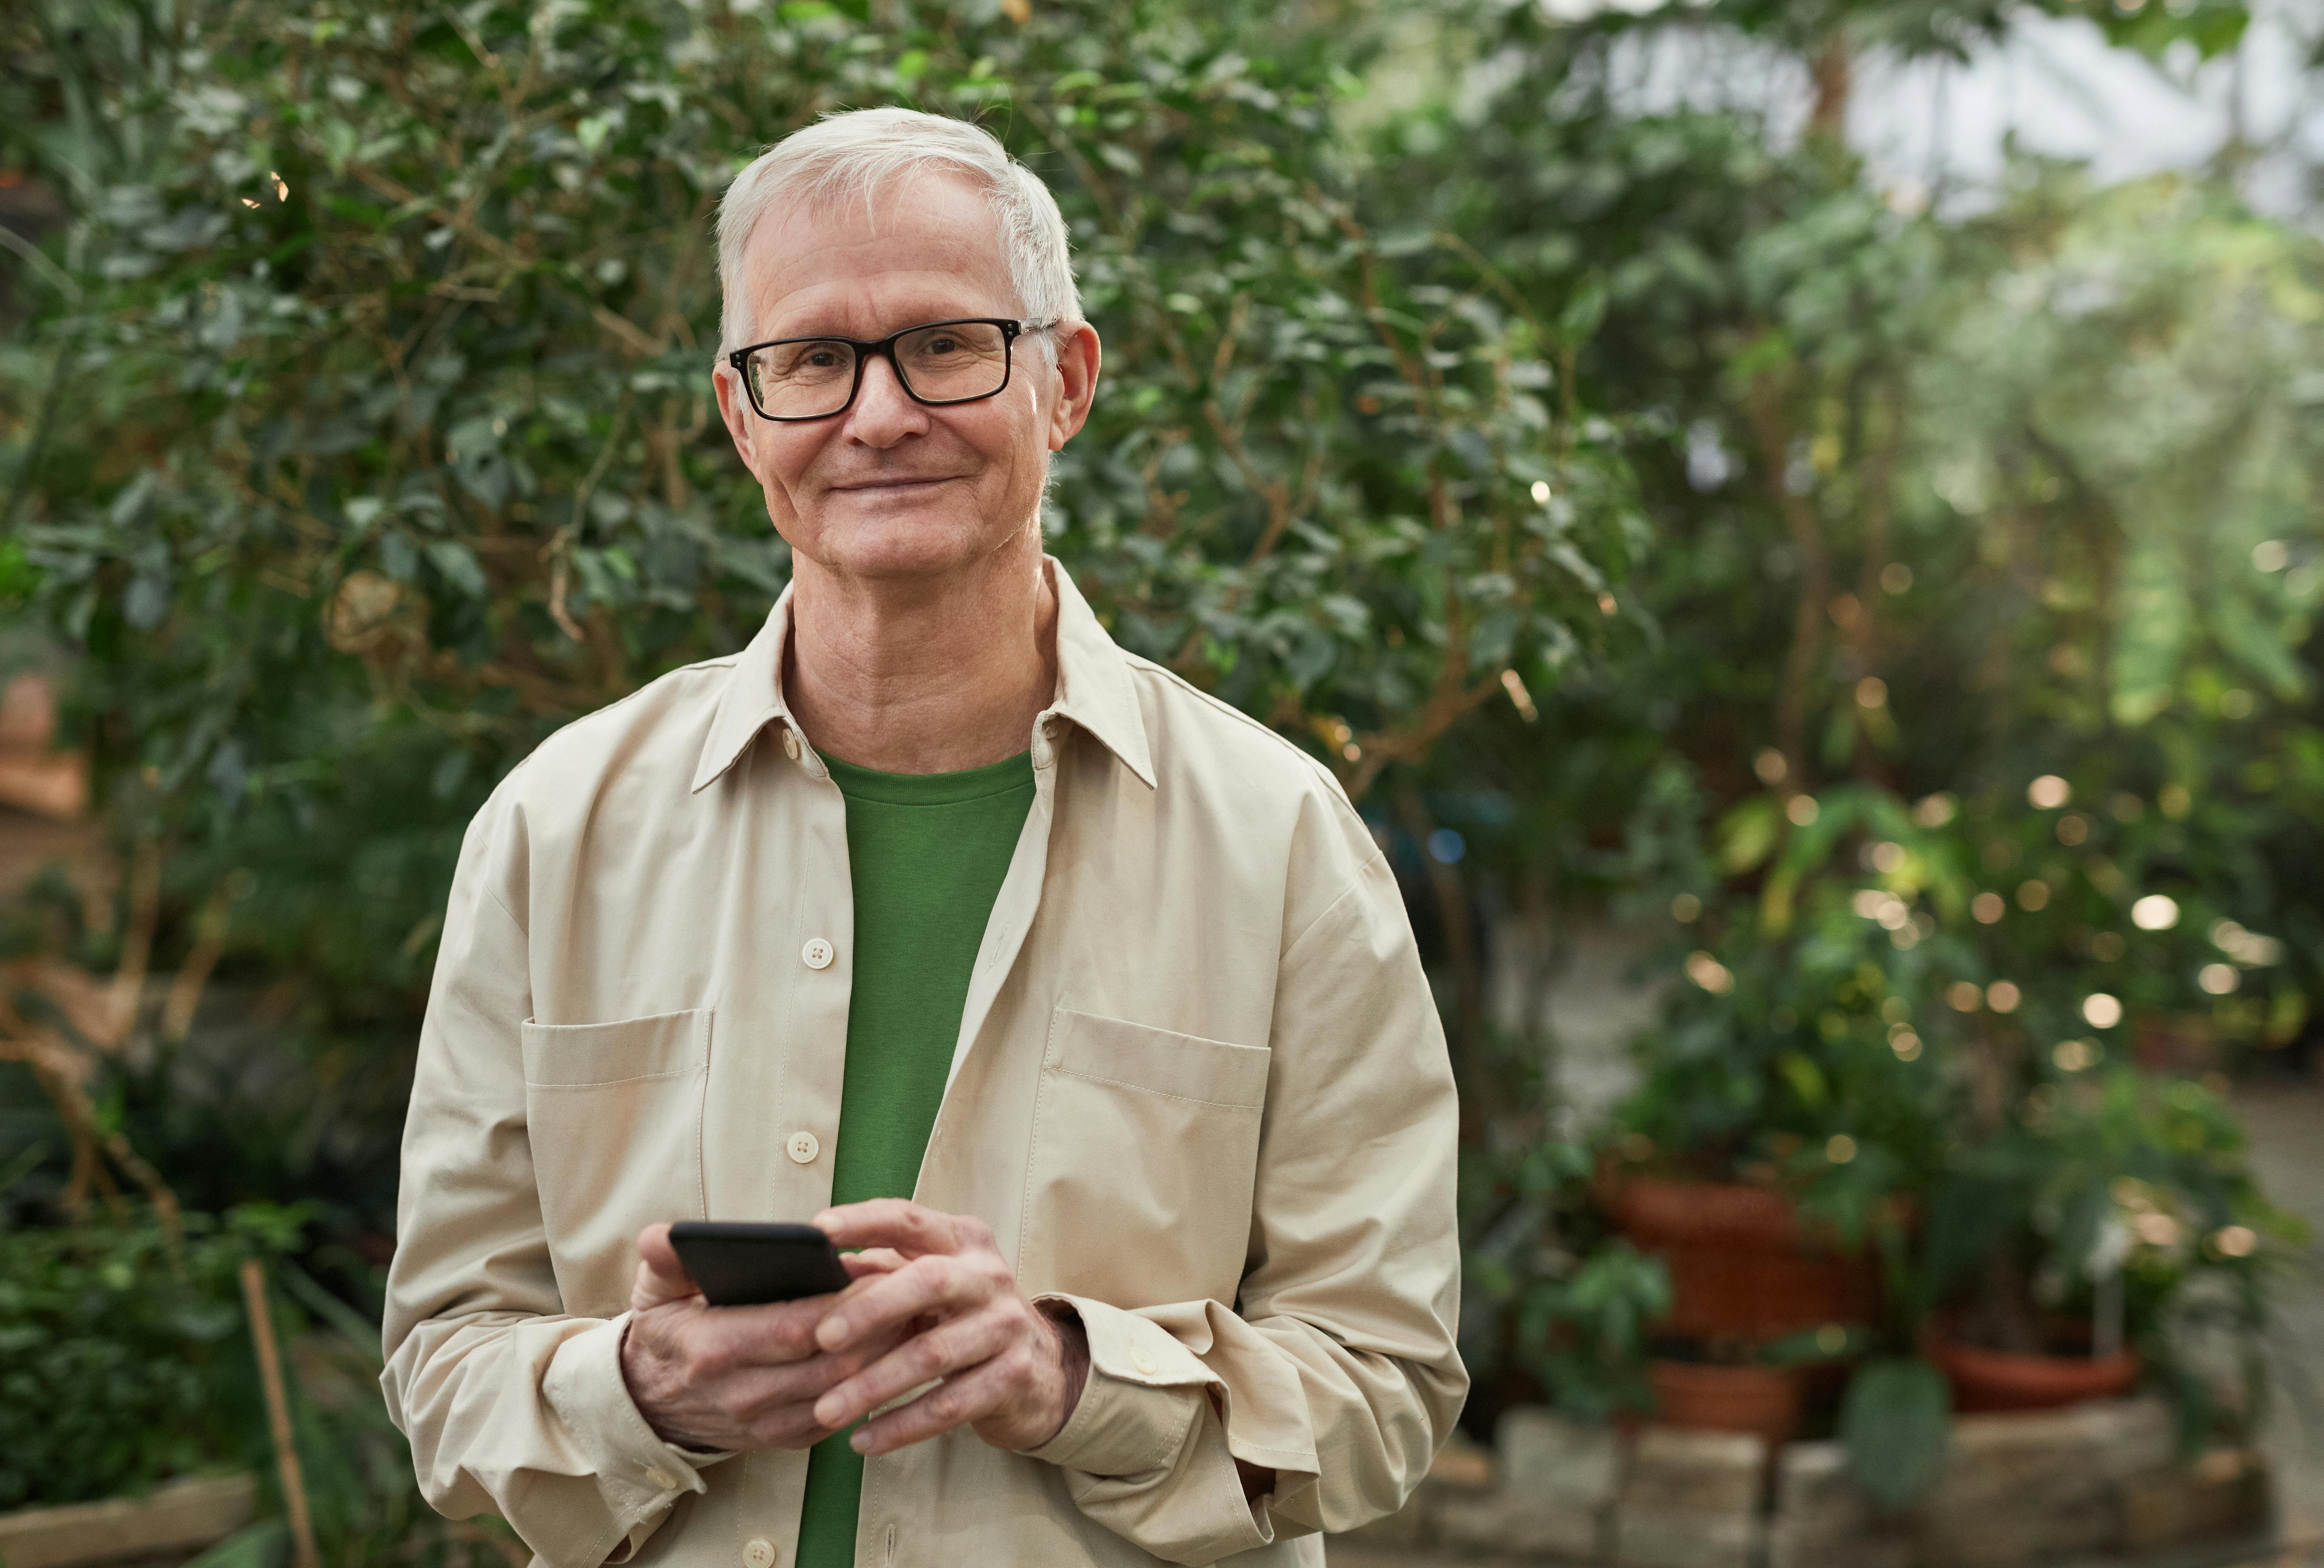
(781, 457)
(1018, 449)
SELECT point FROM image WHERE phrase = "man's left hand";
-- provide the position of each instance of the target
(1009, 1370)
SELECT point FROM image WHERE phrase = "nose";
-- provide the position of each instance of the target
(884, 413)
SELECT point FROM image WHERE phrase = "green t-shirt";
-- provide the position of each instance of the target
(927, 853)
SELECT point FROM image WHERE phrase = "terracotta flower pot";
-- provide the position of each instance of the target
(1742, 1267)
(1985, 1381)
(1764, 1400)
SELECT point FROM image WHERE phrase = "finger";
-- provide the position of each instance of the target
(879, 1301)
(946, 1349)
(773, 1398)
(898, 1223)
(872, 1260)
(772, 1335)
(971, 1395)
(660, 1276)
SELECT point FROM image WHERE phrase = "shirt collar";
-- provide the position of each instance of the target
(1094, 686)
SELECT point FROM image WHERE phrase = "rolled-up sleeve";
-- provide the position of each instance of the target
(1337, 1367)
(513, 1407)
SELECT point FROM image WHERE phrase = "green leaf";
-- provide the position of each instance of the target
(1969, 1214)
(2153, 625)
(1805, 1078)
(1746, 834)
(1895, 1421)
(458, 564)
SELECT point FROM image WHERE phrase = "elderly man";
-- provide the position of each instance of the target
(1078, 1008)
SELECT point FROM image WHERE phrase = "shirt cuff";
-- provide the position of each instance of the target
(1143, 1392)
(640, 1474)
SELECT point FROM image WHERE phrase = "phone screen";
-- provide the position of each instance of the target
(740, 1264)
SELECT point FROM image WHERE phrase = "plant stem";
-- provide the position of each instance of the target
(278, 1412)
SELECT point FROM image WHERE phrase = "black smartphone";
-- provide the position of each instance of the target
(740, 1264)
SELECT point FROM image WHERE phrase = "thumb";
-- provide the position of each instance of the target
(661, 1278)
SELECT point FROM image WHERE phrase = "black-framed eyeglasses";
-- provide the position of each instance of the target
(935, 363)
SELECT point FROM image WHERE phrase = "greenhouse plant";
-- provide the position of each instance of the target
(1901, 611)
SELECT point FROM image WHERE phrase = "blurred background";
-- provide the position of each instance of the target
(1799, 522)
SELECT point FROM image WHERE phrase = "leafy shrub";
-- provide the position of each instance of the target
(125, 1355)
(388, 444)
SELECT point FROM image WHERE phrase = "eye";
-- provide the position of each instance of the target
(942, 345)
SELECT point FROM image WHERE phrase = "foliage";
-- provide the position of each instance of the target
(2120, 1177)
(1567, 1305)
(1586, 1332)
(360, 437)
(126, 1359)
(389, 443)
(1979, 747)
(1895, 1421)
(1945, 507)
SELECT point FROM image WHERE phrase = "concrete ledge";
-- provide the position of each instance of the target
(180, 1515)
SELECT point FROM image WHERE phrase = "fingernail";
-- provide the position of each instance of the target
(831, 1332)
(861, 1442)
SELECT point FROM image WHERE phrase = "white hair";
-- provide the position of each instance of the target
(857, 153)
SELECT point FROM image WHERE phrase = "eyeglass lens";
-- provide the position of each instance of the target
(814, 376)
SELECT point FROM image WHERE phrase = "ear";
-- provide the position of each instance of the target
(735, 409)
(1079, 355)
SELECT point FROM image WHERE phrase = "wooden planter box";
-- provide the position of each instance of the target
(179, 1516)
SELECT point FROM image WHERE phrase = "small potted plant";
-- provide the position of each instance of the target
(2070, 1239)
(1788, 1112)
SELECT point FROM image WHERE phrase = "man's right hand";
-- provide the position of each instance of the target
(734, 1376)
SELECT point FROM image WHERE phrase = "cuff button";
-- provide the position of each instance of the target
(759, 1554)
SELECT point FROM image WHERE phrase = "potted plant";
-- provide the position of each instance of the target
(2069, 1243)
(1848, 1077)
(1789, 1111)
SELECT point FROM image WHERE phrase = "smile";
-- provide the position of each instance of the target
(891, 486)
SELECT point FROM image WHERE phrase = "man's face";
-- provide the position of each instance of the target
(892, 488)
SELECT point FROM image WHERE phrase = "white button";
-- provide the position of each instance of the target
(817, 953)
(1140, 1359)
(759, 1553)
(790, 745)
(662, 1478)
(802, 1146)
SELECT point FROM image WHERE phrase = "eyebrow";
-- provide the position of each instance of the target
(822, 327)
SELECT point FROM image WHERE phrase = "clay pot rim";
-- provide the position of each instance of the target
(1992, 1382)
(2010, 1365)
(1699, 1396)
(1729, 1373)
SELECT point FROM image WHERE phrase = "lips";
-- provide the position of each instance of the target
(893, 487)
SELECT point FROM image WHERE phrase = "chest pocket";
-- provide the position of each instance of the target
(1144, 1153)
(615, 1113)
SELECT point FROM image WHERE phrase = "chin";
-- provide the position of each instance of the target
(934, 533)
(908, 541)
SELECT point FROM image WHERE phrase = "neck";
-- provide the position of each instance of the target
(911, 675)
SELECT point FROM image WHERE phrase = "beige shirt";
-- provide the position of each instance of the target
(1200, 1090)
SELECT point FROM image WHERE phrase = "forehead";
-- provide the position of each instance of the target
(922, 248)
